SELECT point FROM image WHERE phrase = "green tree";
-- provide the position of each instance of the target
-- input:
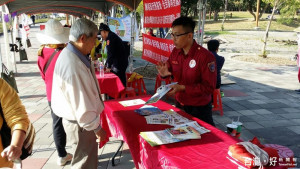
(215, 6)
(276, 4)
(288, 11)
(250, 5)
(238, 4)
(188, 6)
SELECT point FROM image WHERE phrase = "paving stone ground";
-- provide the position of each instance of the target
(262, 97)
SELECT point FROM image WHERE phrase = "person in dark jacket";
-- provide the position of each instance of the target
(117, 56)
(213, 47)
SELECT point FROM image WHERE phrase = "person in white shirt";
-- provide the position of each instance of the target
(76, 95)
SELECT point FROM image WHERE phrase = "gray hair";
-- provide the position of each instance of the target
(82, 27)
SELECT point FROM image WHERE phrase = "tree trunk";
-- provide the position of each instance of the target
(195, 13)
(263, 11)
(187, 11)
(224, 16)
(209, 13)
(264, 53)
(250, 10)
(215, 15)
(253, 14)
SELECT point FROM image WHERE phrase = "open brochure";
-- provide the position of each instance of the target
(133, 102)
(160, 92)
(191, 130)
(147, 110)
(184, 132)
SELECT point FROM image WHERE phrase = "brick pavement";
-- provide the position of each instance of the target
(262, 97)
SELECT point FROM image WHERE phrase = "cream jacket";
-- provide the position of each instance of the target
(75, 91)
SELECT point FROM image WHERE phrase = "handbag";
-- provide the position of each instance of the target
(29, 138)
(23, 54)
(9, 77)
(28, 43)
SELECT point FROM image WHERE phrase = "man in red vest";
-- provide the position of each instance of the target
(194, 68)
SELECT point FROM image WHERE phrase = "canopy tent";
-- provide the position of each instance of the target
(85, 8)
(72, 7)
(76, 11)
(68, 12)
(22, 6)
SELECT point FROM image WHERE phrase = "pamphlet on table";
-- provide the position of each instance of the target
(190, 130)
(154, 115)
(160, 92)
(133, 102)
(148, 110)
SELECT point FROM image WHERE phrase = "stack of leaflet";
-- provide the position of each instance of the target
(190, 130)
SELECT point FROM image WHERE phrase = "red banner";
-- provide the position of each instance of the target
(160, 13)
(156, 49)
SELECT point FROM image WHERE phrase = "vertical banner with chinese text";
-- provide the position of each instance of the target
(160, 13)
(156, 49)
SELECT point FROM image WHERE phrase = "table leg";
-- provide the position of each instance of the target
(116, 153)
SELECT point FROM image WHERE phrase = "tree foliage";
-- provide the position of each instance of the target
(215, 6)
(251, 6)
(288, 11)
(188, 7)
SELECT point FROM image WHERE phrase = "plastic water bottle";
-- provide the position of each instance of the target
(101, 67)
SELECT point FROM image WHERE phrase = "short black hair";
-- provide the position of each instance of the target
(187, 23)
(213, 45)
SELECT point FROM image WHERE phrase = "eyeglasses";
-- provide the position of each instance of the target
(176, 36)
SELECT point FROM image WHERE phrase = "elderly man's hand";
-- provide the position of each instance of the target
(101, 135)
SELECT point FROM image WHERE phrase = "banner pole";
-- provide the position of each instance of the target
(132, 39)
(13, 41)
(200, 7)
(6, 40)
(203, 22)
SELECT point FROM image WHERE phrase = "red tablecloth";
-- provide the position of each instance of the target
(208, 152)
(110, 84)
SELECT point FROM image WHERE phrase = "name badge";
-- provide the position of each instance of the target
(192, 63)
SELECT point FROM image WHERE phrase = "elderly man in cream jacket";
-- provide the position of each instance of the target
(76, 95)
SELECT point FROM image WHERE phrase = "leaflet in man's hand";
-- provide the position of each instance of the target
(147, 110)
(160, 92)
